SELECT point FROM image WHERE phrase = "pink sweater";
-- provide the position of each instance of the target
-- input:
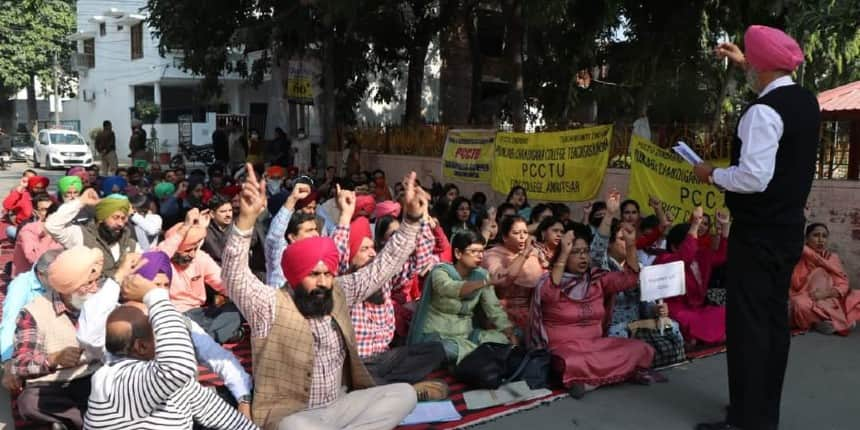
(188, 287)
(32, 242)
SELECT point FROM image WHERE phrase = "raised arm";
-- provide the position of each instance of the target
(276, 240)
(363, 283)
(149, 384)
(59, 224)
(255, 300)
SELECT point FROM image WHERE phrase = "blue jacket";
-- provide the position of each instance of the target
(22, 290)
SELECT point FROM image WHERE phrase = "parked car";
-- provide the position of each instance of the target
(5, 148)
(22, 147)
(61, 148)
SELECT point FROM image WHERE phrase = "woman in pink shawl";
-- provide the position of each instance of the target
(516, 262)
(820, 296)
(567, 315)
(700, 322)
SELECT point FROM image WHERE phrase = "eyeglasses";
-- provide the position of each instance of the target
(472, 251)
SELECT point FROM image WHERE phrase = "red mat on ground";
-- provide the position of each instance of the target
(475, 417)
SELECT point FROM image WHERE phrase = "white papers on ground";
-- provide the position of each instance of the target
(432, 412)
(662, 281)
(513, 392)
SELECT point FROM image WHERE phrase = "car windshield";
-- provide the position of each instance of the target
(66, 139)
(22, 141)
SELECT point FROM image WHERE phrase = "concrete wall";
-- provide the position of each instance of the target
(833, 202)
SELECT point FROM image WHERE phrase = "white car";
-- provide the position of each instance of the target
(61, 148)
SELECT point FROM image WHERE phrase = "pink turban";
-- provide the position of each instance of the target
(768, 49)
(73, 268)
(300, 258)
(358, 230)
(79, 172)
(386, 208)
(364, 205)
(194, 236)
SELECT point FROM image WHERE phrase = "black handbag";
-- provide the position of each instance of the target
(491, 365)
(534, 369)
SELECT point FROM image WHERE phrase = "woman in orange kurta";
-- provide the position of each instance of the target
(516, 263)
(820, 296)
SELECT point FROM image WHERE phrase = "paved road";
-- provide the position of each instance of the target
(820, 393)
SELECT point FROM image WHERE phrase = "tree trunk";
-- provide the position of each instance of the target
(728, 81)
(415, 81)
(475, 114)
(514, 45)
(455, 77)
(329, 100)
(32, 107)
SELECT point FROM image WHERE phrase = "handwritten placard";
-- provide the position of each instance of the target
(662, 281)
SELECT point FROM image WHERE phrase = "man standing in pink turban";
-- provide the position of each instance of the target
(766, 185)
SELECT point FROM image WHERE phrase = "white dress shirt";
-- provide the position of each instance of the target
(91, 334)
(760, 130)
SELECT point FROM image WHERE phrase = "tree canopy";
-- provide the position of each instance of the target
(32, 32)
(648, 54)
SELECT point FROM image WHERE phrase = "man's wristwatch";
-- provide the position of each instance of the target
(245, 399)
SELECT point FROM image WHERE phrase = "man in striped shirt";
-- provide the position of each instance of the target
(151, 384)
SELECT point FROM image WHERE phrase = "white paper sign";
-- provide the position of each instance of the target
(687, 153)
(662, 281)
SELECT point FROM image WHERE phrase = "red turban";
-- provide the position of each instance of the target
(35, 181)
(364, 205)
(358, 230)
(386, 208)
(312, 197)
(300, 258)
(768, 49)
(231, 191)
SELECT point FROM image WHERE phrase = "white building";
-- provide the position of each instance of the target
(119, 65)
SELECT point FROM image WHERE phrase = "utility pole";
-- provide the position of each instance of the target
(57, 102)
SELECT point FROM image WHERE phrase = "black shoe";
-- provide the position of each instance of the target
(577, 391)
(722, 425)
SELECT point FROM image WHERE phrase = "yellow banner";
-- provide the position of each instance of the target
(468, 155)
(566, 166)
(661, 173)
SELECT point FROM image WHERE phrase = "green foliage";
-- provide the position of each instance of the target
(147, 111)
(31, 33)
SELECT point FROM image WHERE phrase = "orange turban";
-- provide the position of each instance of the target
(275, 172)
(300, 258)
(73, 268)
(194, 236)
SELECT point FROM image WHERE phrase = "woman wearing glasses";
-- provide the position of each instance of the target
(450, 300)
(567, 317)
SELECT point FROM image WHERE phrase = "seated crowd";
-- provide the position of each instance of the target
(351, 293)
